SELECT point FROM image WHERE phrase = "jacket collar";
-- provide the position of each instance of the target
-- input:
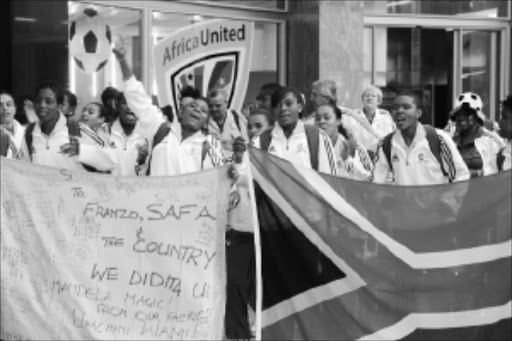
(62, 124)
(229, 122)
(197, 136)
(277, 131)
(420, 135)
(361, 113)
(117, 129)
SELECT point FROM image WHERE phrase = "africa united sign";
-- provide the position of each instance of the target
(213, 54)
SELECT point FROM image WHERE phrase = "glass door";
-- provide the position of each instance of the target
(438, 64)
(480, 65)
(416, 59)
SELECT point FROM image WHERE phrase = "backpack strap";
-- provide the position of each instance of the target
(500, 159)
(75, 128)
(313, 137)
(434, 143)
(29, 138)
(265, 139)
(237, 119)
(5, 141)
(160, 134)
(386, 148)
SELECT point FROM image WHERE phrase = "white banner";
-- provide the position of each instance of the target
(89, 256)
(207, 55)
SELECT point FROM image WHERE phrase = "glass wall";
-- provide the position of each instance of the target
(261, 4)
(404, 60)
(465, 48)
(264, 58)
(50, 41)
(467, 8)
(479, 72)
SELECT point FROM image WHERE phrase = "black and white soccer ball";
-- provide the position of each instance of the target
(90, 41)
(472, 99)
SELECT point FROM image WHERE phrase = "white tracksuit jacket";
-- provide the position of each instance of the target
(416, 164)
(296, 150)
(381, 126)
(488, 145)
(149, 120)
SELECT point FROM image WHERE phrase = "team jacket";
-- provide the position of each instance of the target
(488, 146)
(507, 153)
(7, 147)
(357, 167)
(229, 131)
(173, 157)
(96, 149)
(18, 136)
(417, 165)
(149, 119)
(46, 149)
(296, 150)
(368, 135)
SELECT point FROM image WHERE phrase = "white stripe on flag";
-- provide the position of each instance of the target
(352, 282)
(458, 319)
(307, 299)
(427, 260)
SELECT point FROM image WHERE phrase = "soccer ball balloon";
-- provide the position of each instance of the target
(90, 41)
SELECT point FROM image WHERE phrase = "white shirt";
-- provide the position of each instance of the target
(128, 150)
(19, 134)
(173, 157)
(149, 120)
(46, 149)
(416, 164)
(368, 134)
(507, 153)
(295, 149)
(96, 150)
(229, 131)
(240, 216)
(358, 166)
(489, 145)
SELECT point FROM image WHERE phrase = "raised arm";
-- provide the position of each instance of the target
(150, 117)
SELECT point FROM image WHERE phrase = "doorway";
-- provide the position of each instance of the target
(418, 60)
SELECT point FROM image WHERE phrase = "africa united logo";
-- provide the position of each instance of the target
(214, 54)
(213, 72)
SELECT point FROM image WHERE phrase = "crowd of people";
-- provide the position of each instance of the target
(125, 134)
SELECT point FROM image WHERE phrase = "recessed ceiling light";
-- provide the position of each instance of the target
(25, 19)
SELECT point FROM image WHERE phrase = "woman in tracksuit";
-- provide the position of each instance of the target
(479, 147)
(93, 140)
(48, 141)
(288, 139)
(411, 160)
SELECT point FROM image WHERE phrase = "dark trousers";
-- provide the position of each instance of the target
(241, 281)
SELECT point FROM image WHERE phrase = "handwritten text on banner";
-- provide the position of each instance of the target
(88, 256)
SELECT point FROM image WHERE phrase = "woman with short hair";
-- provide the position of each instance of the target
(369, 124)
